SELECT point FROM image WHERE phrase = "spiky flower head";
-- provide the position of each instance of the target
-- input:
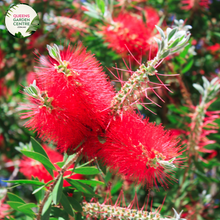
(129, 31)
(71, 98)
(141, 151)
(195, 4)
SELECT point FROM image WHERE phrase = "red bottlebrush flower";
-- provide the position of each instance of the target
(189, 4)
(130, 31)
(152, 18)
(207, 127)
(4, 210)
(137, 149)
(73, 99)
(30, 167)
(214, 49)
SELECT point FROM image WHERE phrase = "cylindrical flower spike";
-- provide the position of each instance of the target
(70, 23)
(130, 31)
(72, 98)
(105, 212)
(197, 134)
(141, 151)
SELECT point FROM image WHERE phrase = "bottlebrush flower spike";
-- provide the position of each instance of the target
(195, 4)
(203, 119)
(130, 31)
(30, 167)
(107, 211)
(49, 117)
(102, 211)
(71, 100)
(141, 151)
(70, 23)
(172, 42)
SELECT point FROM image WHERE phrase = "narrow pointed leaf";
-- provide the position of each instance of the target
(58, 190)
(15, 198)
(160, 31)
(87, 170)
(66, 205)
(171, 33)
(28, 206)
(38, 148)
(39, 157)
(46, 209)
(30, 182)
(75, 204)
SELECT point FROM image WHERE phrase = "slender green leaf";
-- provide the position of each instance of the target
(30, 182)
(27, 206)
(16, 205)
(188, 66)
(57, 212)
(199, 166)
(38, 189)
(60, 164)
(86, 170)
(78, 216)
(38, 148)
(80, 186)
(39, 157)
(172, 32)
(75, 204)
(116, 187)
(58, 190)
(46, 209)
(66, 205)
(160, 31)
(92, 183)
(15, 198)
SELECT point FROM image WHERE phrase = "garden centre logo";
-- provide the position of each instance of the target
(21, 20)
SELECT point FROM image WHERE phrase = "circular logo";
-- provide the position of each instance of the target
(21, 20)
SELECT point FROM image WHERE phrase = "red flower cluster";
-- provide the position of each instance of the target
(214, 48)
(71, 100)
(189, 4)
(129, 31)
(30, 167)
(71, 104)
(137, 149)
